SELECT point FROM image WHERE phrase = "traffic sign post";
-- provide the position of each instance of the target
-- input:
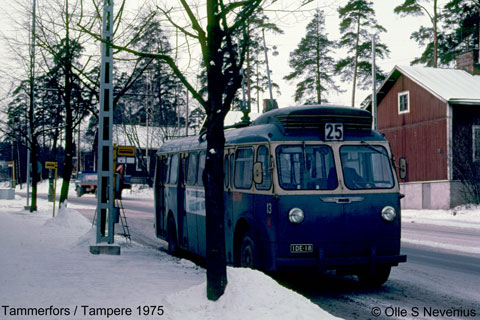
(52, 165)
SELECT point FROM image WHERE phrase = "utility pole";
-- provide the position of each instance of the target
(32, 98)
(268, 69)
(105, 182)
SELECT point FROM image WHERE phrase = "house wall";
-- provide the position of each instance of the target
(432, 195)
(464, 118)
(419, 136)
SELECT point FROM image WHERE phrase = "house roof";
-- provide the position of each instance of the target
(127, 135)
(449, 85)
(136, 135)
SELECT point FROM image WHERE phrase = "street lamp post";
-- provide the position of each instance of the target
(275, 53)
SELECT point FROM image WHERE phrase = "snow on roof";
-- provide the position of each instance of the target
(450, 85)
(128, 135)
(142, 136)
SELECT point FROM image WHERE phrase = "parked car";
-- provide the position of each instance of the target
(86, 182)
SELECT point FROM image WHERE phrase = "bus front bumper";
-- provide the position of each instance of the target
(337, 263)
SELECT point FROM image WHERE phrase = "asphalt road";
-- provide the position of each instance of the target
(434, 284)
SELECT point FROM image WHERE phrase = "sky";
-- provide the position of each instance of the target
(397, 38)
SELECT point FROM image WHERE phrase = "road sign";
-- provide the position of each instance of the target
(11, 163)
(50, 165)
(126, 151)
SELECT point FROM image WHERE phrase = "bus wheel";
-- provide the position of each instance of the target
(172, 237)
(247, 252)
(79, 191)
(375, 280)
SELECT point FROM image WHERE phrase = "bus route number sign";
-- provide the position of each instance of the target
(333, 131)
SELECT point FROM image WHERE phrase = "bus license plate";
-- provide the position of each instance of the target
(301, 248)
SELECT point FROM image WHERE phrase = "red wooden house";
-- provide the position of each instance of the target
(431, 117)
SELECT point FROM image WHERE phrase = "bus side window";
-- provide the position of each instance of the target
(173, 169)
(264, 158)
(243, 168)
(192, 169)
(201, 167)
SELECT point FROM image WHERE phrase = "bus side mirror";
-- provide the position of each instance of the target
(402, 165)
(257, 173)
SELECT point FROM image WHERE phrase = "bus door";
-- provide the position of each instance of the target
(192, 202)
(228, 162)
(159, 194)
(366, 168)
(182, 221)
(242, 198)
(200, 213)
(264, 202)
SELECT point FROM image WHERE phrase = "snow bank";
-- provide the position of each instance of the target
(69, 219)
(249, 294)
(138, 191)
(45, 261)
(467, 216)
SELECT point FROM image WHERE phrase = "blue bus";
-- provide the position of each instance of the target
(306, 188)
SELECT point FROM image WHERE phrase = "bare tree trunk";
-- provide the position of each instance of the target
(213, 174)
(68, 165)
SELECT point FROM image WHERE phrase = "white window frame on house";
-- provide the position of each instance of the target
(475, 144)
(402, 94)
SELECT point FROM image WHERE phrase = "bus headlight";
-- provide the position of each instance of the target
(296, 215)
(388, 214)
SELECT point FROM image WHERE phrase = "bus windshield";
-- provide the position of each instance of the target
(309, 167)
(366, 167)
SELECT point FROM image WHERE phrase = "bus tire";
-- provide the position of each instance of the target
(172, 237)
(248, 251)
(375, 280)
(79, 191)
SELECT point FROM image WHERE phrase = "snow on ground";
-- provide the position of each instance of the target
(45, 262)
(461, 216)
(460, 224)
(46, 266)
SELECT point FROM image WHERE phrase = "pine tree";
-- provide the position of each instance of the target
(462, 20)
(312, 62)
(424, 35)
(357, 27)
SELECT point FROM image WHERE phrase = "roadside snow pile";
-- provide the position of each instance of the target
(467, 216)
(249, 294)
(69, 218)
(45, 262)
(138, 191)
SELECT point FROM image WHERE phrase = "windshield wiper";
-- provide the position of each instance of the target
(374, 149)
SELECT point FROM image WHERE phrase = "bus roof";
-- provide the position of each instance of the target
(291, 124)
